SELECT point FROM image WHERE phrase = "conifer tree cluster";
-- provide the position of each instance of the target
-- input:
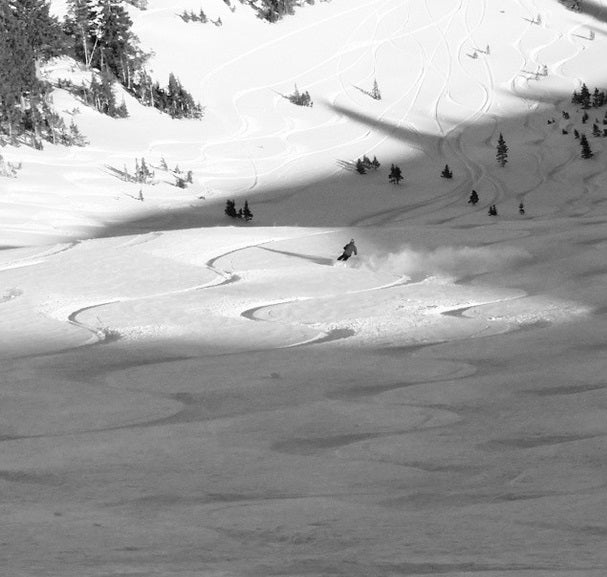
(395, 175)
(182, 180)
(300, 98)
(274, 10)
(587, 100)
(364, 164)
(191, 16)
(103, 40)
(29, 35)
(174, 99)
(243, 213)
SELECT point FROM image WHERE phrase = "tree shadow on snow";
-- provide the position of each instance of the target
(320, 203)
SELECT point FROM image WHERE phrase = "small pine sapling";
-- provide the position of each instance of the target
(596, 131)
(375, 93)
(576, 134)
(375, 163)
(360, 167)
(473, 198)
(247, 214)
(446, 173)
(585, 117)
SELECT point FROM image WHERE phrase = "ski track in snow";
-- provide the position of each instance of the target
(448, 140)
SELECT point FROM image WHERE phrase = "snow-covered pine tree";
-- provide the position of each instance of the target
(473, 198)
(375, 163)
(360, 167)
(502, 151)
(446, 173)
(596, 131)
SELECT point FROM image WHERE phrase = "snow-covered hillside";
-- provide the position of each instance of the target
(186, 394)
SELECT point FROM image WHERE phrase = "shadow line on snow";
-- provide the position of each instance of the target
(315, 204)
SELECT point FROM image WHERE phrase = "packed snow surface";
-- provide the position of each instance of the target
(184, 394)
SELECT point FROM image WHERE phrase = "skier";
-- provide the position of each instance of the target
(348, 250)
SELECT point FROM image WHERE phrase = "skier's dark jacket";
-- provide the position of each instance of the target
(350, 248)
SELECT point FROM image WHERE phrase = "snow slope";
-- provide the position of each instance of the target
(186, 395)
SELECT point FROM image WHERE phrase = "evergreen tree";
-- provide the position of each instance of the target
(395, 175)
(360, 167)
(230, 209)
(521, 209)
(375, 163)
(598, 98)
(17, 71)
(42, 31)
(576, 133)
(103, 38)
(585, 117)
(246, 213)
(473, 198)
(446, 173)
(584, 97)
(596, 131)
(375, 93)
(502, 151)
(586, 152)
